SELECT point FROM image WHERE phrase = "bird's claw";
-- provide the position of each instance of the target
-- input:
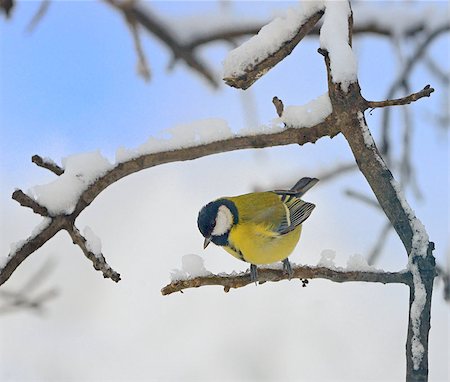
(287, 268)
(253, 274)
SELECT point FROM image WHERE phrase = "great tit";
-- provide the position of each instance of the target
(260, 227)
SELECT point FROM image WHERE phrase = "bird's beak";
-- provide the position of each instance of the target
(206, 242)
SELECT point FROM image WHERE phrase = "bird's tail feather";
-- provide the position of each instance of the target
(300, 188)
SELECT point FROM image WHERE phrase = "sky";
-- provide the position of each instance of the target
(71, 87)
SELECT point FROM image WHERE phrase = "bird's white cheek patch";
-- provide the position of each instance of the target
(224, 221)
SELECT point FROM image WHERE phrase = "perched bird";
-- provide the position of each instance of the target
(260, 227)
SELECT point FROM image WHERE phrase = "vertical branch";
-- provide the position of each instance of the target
(349, 106)
(420, 292)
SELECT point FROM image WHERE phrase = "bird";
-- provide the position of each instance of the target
(258, 227)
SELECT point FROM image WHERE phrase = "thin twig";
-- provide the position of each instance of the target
(143, 68)
(425, 92)
(278, 103)
(25, 201)
(379, 244)
(363, 198)
(48, 164)
(98, 260)
(155, 27)
(38, 16)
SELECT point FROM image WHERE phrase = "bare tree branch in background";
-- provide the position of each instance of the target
(39, 15)
(6, 6)
(26, 297)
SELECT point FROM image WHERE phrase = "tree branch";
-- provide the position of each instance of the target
(299, 272)
(300, 135)
(25, 201)
(425, 92)
(29, 246)
(98, 260)
(48, 164)
(258, 68)
(149, 22)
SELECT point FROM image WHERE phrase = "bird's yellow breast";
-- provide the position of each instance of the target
(257, 244)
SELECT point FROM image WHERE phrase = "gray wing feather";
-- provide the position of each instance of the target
(299, 211)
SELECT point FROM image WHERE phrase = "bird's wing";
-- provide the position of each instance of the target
(280, 213)
(297, 211)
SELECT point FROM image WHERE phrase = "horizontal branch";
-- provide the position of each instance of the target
(301, 135)
(250, 30)
(425, 92)
(48, 164)
(299, 272)
(292, 135)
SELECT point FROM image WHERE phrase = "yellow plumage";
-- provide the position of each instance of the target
(260, 227)
(254, 236)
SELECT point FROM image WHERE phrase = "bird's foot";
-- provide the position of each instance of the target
(253, 274)
(287, 268)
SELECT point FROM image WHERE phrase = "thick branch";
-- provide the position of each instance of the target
(299, 272)
(425, 92)
(288, 136)
(32, 244)
(49, 165)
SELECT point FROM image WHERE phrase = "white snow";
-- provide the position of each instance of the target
(309, 114)
(14, 247)
(420, 237)
(269, 39)
(93, 242)
(355, 263)
(368, 139)
(420, 296)
(191, 266)
(420, 241)
(327, 259)
(181, 136)
(80, 170)
(334, 39)
(358, 263)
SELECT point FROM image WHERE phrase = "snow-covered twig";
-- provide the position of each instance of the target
(48, 164)
(274, 42)
(97, 258)
(299, 272)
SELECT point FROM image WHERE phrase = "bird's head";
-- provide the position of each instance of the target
(215, 221)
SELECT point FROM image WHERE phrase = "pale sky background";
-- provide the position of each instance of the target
(71, 87)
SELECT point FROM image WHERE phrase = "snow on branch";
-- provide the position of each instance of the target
(245, 64)
(229, 281)
(86, 175)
